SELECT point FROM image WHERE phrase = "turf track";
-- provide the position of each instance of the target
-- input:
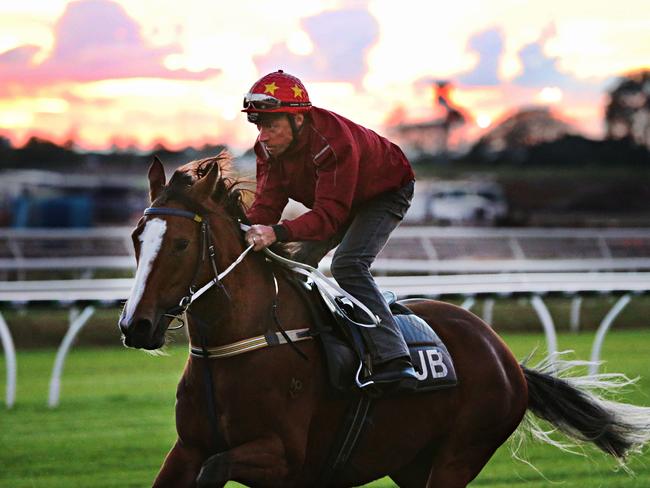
(115, 422)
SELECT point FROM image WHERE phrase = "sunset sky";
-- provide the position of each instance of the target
(139, 72)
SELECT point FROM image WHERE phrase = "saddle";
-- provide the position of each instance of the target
(343, 353)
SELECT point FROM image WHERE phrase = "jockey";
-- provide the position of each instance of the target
(358, 186)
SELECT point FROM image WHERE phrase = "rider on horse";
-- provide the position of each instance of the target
(358, 186)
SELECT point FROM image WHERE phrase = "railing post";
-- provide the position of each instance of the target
(10, 360)
(547, 322)
(75, 326)
(488, 309)
(468, 303)
(576, 303)
(603, 328)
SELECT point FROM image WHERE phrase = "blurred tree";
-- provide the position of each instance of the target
(5, 151)
(5, 143)
(627, 115)
(42, 153)
(511, 139)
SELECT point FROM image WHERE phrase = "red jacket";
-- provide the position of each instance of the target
(333, 166)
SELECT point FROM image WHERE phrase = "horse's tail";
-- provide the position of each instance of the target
(574, 405)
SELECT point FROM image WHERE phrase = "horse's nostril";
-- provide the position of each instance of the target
(137, 327)
(142, 325)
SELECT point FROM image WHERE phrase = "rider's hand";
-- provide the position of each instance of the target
(260, 236)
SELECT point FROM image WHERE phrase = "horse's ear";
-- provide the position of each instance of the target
(206, 186)
(156, 178)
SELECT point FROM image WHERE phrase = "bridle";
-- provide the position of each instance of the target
(207, 252)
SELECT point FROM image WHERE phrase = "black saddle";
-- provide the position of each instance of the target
(431, 359)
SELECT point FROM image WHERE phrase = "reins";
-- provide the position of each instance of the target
(180, 311)
(326, 286)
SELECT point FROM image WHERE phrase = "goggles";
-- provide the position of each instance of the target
(262, 101)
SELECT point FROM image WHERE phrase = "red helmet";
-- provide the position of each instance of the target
(277, 92)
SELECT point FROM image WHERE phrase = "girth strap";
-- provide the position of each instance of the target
(356, 418)
(250, 344)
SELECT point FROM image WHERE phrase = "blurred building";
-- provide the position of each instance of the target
(516, 133)
(34, 198)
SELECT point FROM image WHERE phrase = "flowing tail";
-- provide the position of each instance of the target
(574, 405)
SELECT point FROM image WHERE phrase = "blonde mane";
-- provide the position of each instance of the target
(199, 168)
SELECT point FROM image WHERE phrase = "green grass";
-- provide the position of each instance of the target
(115, 422)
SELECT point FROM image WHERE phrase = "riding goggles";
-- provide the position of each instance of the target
(262, 101)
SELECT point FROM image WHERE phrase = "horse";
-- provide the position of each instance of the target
(265, 416)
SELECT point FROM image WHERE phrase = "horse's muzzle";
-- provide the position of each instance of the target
(141, 334)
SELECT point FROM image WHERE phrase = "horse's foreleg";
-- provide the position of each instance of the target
(181, 467)
(259, 462)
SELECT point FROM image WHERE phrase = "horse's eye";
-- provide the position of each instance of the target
(180, 244)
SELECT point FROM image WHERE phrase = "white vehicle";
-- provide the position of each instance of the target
(468, 202)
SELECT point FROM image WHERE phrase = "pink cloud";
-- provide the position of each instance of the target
(94, 40)
(19, 56)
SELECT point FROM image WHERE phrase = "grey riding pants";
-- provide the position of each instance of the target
(358, 246)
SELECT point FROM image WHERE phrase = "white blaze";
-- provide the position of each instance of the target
(151, 239)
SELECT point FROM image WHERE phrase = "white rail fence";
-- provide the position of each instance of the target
(494, 263)
(422, 250)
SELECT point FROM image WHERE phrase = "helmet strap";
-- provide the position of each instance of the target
(295, 130)
(294, 126)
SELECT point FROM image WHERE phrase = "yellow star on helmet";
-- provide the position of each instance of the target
(270, 88)
(297, 91)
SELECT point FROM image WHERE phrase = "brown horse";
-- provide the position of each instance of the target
(274, 416)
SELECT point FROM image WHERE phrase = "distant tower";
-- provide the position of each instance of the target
(450, 116)
(441, 90)
(431, 137)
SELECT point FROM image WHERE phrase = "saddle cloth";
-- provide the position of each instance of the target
(431, 359)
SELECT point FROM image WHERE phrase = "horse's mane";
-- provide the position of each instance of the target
(229, 193)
